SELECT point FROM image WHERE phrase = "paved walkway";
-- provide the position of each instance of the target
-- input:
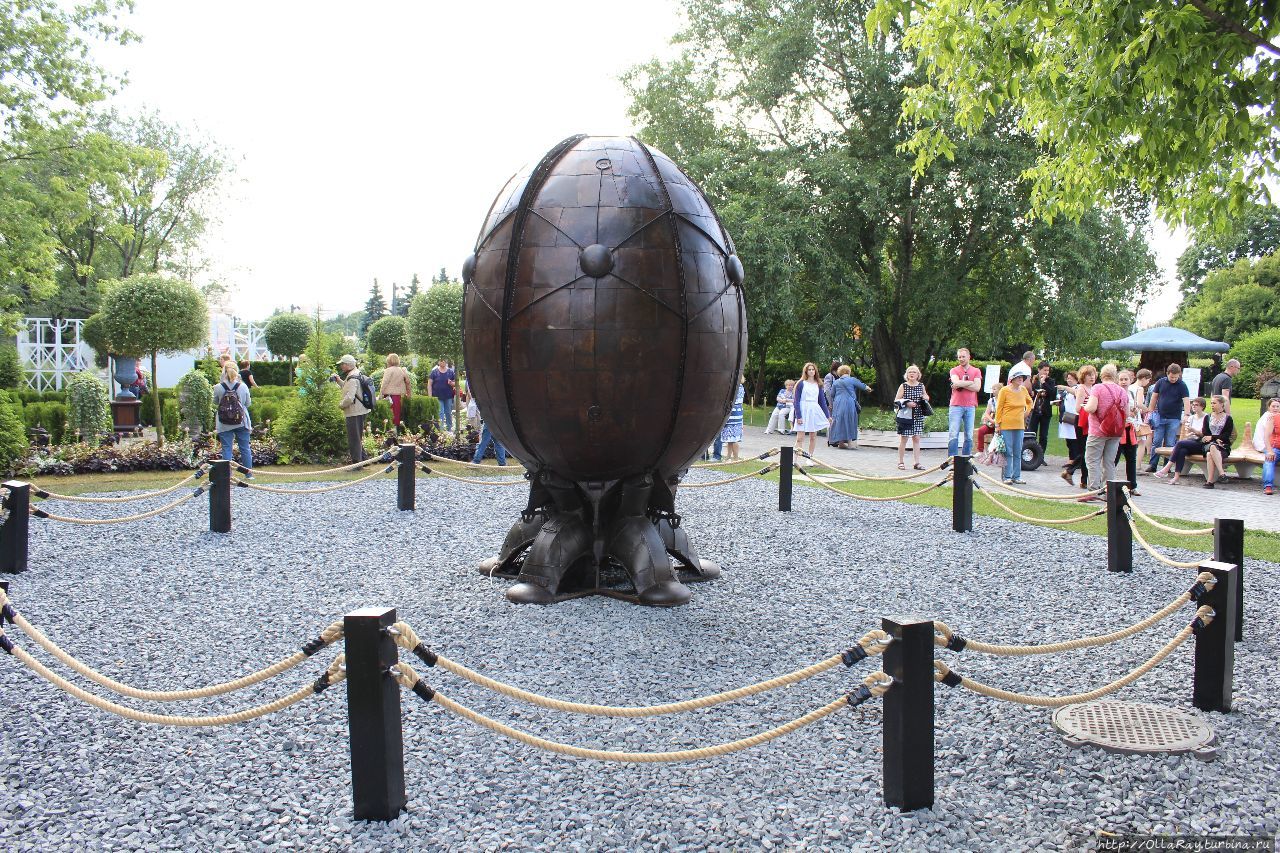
(1232, 498)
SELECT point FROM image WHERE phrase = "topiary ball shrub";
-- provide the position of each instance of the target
(389, 334)
(195, 403)
(88, 408)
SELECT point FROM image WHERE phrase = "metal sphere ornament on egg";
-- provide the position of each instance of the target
(604, 332)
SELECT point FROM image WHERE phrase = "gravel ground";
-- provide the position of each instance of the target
(162, 603)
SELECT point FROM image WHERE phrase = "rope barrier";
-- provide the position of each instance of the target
(328, 636)
(431, 455)
(509, 481)
(317, 490)
(40, 513)
(953, 679)
(386, 457)
(1180, 531)
(1146, 546)
(948, 639)
(331, 676)
(855, 496)
(886, 478)
(765, 470)
(875, 684)
(1047, 496)
(873, 643)
(1016, 514)
(48, 495)
(761, 457)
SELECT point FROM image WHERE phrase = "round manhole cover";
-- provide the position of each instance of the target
(1135, 727)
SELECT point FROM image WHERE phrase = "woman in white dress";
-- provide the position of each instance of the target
(812, 411)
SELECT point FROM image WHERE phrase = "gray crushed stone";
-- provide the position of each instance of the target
(164, 603)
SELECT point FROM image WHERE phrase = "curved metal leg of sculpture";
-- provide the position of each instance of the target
(692, 568)
(563, 537)
(519, 539)
(634, 542)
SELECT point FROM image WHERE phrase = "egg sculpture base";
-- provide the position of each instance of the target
(604, 332)
(617, 538)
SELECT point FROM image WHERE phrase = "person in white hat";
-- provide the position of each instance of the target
(353, 406)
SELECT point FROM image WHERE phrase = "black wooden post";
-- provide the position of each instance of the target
(1228, 547)
(373, 715)
(908, 714)
(1215, 656)
(219, 495)
(961, 494)
(14, 534)
(1119, 535)
(406, 477)
(786, 461)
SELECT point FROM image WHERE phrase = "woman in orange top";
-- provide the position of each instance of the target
(1012, 405)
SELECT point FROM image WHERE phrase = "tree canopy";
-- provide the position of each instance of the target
(1177, 101)
(374, 309)
(789, 118)
(1254, 234)
(1234, 302)
(435, 322)
(390, 334)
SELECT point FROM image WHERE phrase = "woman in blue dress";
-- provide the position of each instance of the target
(731, 434)
(844, 416)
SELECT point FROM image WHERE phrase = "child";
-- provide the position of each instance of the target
(781, 416)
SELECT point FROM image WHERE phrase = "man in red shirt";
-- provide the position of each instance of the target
(966, 380)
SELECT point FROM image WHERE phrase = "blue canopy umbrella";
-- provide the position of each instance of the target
(1166, 339)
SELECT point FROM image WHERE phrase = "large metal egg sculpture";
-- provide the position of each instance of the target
(604, 331)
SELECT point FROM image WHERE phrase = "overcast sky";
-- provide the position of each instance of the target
(371, 139)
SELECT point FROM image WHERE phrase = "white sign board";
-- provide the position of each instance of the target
(991, 384)
(1191, 376)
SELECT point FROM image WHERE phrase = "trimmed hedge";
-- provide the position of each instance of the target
(1259, 356)
(264, 372)
(52, 416)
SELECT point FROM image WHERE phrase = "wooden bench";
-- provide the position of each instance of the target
(1245, 459)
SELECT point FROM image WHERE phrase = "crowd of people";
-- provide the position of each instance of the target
(1103, 414)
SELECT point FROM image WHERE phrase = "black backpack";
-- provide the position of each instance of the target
(366, 391)
(230, 412)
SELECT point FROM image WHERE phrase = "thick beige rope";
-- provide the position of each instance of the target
(1146, 546)
(48, 495)
(877, 682)
(40, 513)
(262, 472)
(1204, 614)
(431, 455)
(773, 466)
(510, 481)
(873, 643)
(761, 457)
(1180, 531)
(944, 632)
(329, 635)
(248, 484)
(335, 674)
(1046, 496)
(886, 478)
(1016, 514)
(855, 496)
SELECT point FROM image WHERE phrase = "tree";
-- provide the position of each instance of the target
(288, 335)
(435, 322)
(790, 121)
(1174, 100)
(47, 79)
(1235, 302)
(394, 309)
(374, 309)
(389, 334)
(441, 277)
(1253, 235)
(312, 425)
(409, 296)
(149, 313)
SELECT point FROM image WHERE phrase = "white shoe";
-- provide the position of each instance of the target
(768, 432)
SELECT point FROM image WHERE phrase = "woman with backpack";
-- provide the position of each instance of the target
(231, 400)
(1108, 408)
